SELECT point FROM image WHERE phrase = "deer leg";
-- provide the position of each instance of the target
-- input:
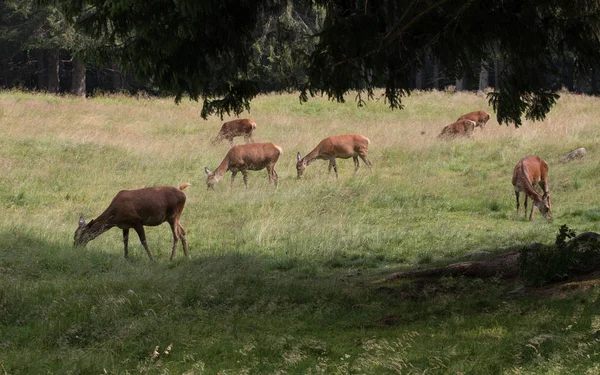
(335, 168)
(356, 166)
(245, 174)
(142, 235)
(367, 161)
(330, 166)
(233, 177)
(517, 196)
(525, 204)
(270, 171)
(126, 241)
(182, 237)
(532, 207)
(275, 177)
(174, 228)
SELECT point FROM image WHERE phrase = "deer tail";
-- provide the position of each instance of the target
(183, 186)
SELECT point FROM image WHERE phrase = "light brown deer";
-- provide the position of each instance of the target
(460, 128)
(529, 171)
(479, 117)
(343, 146)
(242, 158)
(241, 127)
(135, 209)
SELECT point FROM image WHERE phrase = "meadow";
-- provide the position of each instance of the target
(283, 281)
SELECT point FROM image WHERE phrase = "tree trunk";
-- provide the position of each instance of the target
(419, 79)
(483, 77)
(53, 71)
(581, 80)
(78, 78)
(41, 71)
(436, 75)
(594, 82)
(499, 62)
(116, 78)
(570, 74)
(461, 84)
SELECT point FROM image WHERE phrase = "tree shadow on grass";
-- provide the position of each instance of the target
(257, 312)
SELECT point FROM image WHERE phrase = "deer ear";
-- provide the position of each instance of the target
(208, 171)
(81, 222)
(299, 157)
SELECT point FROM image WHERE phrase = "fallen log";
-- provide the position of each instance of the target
(504, 266)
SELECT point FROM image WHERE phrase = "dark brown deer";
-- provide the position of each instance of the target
(241, 127)
(343, 146)
(529, 171)
(479, 117)
(135, 209)
(244, 158)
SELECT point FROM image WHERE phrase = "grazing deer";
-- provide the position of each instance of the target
(529, 171)
(460, 128)
(135, 209)
(252, 156)
(479, 117)
(241, 127)
(338, 146)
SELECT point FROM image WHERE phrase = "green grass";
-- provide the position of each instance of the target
(280, 281)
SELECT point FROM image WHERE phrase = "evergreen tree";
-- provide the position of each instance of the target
(206, 49)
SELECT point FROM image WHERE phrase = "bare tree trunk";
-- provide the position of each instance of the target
(594, 82)
(53, 71)
(116, 78)
(436, 75)
(419, 79)
(461, 84)
(41, 71)
(78, 81)
(483, 77)
(570, 74)
(581, 80)
(499, 62)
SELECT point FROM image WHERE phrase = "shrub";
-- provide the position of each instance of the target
(543, 264)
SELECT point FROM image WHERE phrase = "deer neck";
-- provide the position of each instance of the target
(528, 187)
(221, 169)
(98, 226)
(312, 156)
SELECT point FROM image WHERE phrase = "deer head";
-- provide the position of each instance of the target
(83, 234)
(300, 165)
(211, 179)
(544, 206)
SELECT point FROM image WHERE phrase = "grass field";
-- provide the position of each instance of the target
(279, 281)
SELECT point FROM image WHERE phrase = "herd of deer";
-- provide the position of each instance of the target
(155, 205)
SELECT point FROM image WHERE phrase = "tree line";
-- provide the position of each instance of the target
(225, 52)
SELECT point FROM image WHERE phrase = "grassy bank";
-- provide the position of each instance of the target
(278, 281)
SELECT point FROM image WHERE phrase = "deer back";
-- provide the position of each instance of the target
(147, 206)
(238, 127)
(479, 117)
(462, 127)
(253, 156)
(340, 146)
